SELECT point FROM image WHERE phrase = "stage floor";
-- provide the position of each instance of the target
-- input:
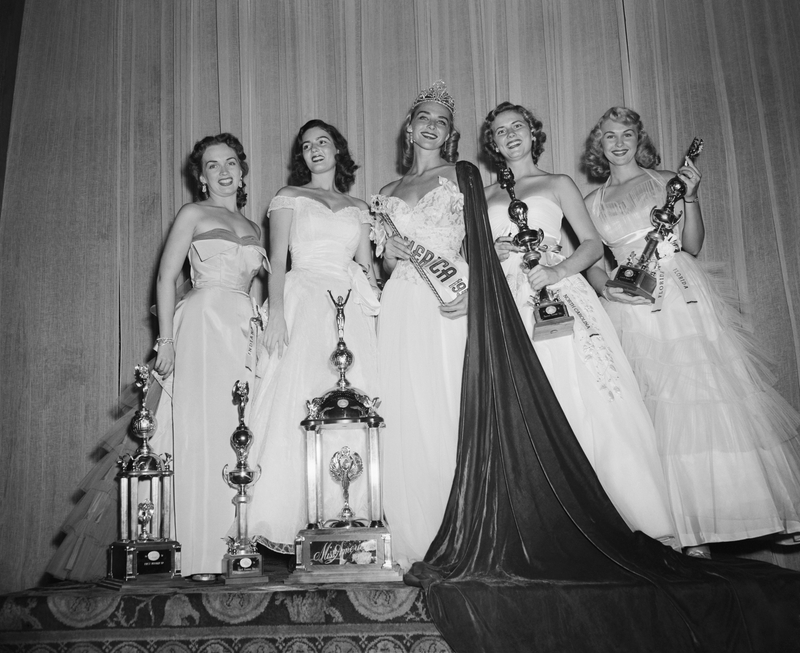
(182, 616)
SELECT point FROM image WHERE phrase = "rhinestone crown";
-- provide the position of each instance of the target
(436, 93)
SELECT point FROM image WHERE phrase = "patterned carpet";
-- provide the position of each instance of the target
(183, 617)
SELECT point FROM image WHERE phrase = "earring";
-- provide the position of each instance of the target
(409, 137)
(241, 183)
(204, 189)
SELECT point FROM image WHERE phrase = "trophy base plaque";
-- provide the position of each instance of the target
(635, 282)
(344, 555)
(240, 568)
(552, 320)
(142, 562)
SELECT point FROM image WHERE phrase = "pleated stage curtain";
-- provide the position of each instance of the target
(110, 96)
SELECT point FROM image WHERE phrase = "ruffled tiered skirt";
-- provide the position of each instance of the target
(728, 441)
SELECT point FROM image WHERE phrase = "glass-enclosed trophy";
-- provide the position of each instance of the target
(346, 548)
(636, 278)
(145, 549)
(242, 563)
(550, 315)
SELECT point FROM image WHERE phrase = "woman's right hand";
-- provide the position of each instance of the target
(165, 359)
(397, 248)
(621, 297)
(504, 246)
(276, 335)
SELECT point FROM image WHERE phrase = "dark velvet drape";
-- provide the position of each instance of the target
(531, 554)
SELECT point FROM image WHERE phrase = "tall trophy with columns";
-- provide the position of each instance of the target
(345, 548)
(145, 550)
(242, 562)
(550, 315)
(636, 278)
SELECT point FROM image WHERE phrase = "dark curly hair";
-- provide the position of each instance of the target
(490, 147)
(448, 151)
(196, 163)
(593, 159)
(300, 175)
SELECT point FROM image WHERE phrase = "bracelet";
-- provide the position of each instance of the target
(696, 200)
(164, 341)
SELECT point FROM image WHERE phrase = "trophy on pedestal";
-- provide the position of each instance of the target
(242, 562)
(347, 549)
(635, 278)
(551, 317)
(145, 549)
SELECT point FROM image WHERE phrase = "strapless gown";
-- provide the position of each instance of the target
(322, 244)
(421, 358)
(594, 383)
(728, 441)
(212, 330)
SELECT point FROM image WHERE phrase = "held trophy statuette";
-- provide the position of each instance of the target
(636, 278)
(551, 317)
(145, 549)
(242, 562)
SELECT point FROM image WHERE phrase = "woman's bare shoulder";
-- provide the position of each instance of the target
(389, 188)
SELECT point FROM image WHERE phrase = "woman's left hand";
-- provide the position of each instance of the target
(691, 176)
(457, 307)
(543, 275)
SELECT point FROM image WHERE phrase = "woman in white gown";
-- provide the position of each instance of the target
(324, 229)
(728, 441)
(203, 345)
(421, 342)
(587, 370)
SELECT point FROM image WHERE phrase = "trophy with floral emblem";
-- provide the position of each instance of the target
(349, 548)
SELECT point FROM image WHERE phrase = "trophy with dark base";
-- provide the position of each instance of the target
(347, 549)
(242, 563)
(145, 550)
(635, 278)
(551, 317)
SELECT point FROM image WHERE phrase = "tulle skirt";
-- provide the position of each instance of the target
(727, 440)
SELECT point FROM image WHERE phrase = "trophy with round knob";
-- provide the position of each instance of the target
(550, 315)
(145, 550)
(349, 548)
(242, 562)
(636, 278)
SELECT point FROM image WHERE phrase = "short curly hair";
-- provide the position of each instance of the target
(196, 163)
(487, 136)
(448, 151)
(300, 175)
(593, 159)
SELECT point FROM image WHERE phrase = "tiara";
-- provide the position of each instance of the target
(436, 93)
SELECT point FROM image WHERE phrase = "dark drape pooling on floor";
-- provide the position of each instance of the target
(531, 555)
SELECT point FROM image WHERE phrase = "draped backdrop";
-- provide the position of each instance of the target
(110, 96)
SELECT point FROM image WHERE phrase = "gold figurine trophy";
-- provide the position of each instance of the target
(551, 317)
(346, 549)
(145, 549)
(636, 278)
(242, 562)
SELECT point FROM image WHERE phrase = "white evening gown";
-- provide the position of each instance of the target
(593, 383)
(421, 358)
(728, 441)
(322, 244)
(212, 330)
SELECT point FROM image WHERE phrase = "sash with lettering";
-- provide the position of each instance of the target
(445, 276)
